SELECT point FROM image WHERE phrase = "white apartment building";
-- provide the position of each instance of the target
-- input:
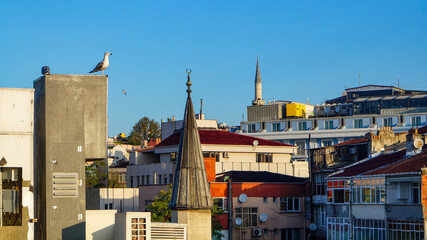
(223, 151)
(16, 163)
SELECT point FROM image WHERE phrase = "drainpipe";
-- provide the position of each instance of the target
(230, 211)
(350, 209)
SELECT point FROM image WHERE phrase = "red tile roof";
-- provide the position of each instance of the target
(353, 141)
(258, 176)
(411, 164)
(371, 164)
(145, 149)
(222, 138)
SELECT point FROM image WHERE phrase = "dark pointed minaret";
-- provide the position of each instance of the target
(258, 86)
(191, 201)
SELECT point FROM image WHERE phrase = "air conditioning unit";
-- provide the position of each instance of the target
(225, 155)
(257, 232)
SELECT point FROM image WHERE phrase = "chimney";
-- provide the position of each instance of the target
(414, 142)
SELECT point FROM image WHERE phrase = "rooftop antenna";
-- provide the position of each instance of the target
(398, 81)
(359, 78)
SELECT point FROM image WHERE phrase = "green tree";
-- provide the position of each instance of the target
(160, 212)
(145, 128)
(216, 225)
(96, 175)
(114, 180)
(159, 208)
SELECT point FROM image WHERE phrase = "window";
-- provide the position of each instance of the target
(416, 193)
(211, 155)
(265, 200)
(358, 123)
(174, 156)
(108, 206)
(416, 121)
(139, 227)
(339, 228)
(276, 127)
(221, 203)
(165, 179)
(170, 178)
(131, 181)
(320, 216)
(160, 178)
(338, 191)
(148, 179)
(369, 191)
(301, 147)
(122, 177)
(302, 126)
(274, 199)
(388, 122)
(11, 197)
(290, 204)
(137, 181)
(369, 229)
(290, 234)
(248, 215)
(264, 157)
(142, 180)
(400, 229)
(329, 125)
(319, 186)
(327, 143)
(251, 128)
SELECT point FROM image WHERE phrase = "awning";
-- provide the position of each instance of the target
(360, 100)
(418, 96)
(405, 179)
(374, 99)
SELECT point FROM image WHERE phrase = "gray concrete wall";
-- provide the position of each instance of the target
(70, 123)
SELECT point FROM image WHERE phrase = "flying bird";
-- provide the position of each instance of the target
(124, 92)
(103, 64)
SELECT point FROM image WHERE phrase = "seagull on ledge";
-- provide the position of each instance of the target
(103, 64)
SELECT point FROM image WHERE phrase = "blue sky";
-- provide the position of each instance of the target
(307, 49)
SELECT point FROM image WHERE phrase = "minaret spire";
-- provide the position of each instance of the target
(191, 201)
(258, 86)
(190, 187)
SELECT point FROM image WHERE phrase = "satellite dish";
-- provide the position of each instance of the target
(315, 110)
(313, 227)
(337, 109)
(263, 217)
(255, 143)
(243, 198)
(238, 221)
(327, 109)
(418, 143)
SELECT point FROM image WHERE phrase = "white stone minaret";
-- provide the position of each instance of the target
(258, 87)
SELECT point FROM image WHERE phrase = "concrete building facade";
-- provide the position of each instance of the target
(71, 127)
(16, 163)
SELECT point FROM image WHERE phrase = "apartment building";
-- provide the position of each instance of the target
(360, 110)
(378, 198)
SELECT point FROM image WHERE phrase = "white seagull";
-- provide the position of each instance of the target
(103, 64)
